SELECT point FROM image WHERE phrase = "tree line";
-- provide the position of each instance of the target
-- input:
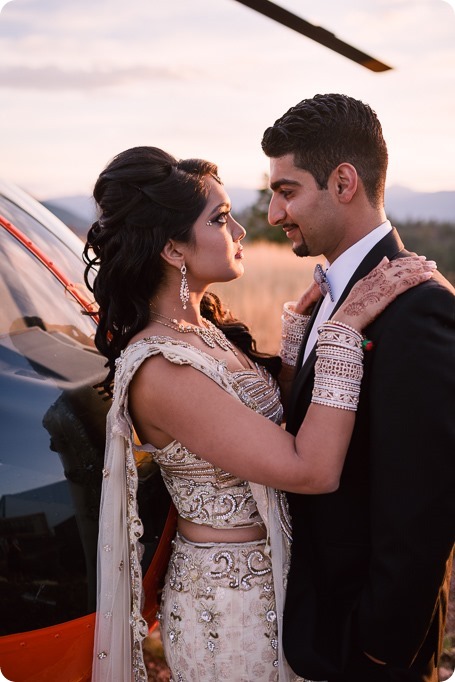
(435, 240)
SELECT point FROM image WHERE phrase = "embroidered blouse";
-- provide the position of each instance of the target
(201, 492)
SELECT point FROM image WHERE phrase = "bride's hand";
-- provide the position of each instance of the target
(372, 294)
(307, 301)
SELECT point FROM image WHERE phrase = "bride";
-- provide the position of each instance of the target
(190, 384)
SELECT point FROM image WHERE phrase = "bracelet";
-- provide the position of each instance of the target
(293, 326)
(339, 366)
(339, 334)
(337, 323)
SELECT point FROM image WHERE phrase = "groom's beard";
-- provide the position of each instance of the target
(301, 250)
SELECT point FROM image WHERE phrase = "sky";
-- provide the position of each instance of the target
(82, 80)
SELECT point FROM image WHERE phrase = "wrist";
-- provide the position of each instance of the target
(349, 320)
(301, 309)
(293, 312)
(293, 326)
(339, 366)
(346, 333)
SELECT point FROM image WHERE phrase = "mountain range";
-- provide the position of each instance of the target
(402, 204)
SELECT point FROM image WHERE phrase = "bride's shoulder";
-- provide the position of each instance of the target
(176, 351)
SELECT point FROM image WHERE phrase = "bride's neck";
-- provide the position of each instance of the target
(170, 306)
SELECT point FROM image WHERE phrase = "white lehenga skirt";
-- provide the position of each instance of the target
(217, 617)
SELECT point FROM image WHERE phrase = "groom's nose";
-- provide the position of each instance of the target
(277, 213)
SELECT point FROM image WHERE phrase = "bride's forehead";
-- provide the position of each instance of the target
(217, 195)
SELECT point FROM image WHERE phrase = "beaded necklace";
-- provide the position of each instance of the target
(209, 334)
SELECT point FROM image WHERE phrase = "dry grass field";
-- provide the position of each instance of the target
(273, 275)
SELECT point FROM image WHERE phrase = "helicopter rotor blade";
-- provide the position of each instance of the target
(320, 35)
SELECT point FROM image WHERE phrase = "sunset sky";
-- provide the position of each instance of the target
(81, 80)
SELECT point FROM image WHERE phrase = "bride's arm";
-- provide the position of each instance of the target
(294, 320)
(187, 406)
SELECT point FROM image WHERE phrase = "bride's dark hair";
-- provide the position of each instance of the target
(146, 197)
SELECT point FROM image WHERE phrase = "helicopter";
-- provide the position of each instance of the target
(317, 33)
(52, 418)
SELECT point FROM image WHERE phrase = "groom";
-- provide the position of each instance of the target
(368, 583)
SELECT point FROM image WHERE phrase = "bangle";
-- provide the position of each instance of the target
(338, 323)
(293, 326)
(339, 334)
(339, 366)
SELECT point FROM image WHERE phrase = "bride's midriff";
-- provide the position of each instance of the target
(195, 532)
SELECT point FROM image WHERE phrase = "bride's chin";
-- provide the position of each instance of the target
(235, 272)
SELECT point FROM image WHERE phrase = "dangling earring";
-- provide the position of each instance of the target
(184, 289)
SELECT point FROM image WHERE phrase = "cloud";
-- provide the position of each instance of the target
(55, 78)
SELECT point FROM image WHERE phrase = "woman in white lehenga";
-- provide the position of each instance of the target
(190, 385)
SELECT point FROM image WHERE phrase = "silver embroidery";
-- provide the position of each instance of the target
(235, 568)
(201, 492)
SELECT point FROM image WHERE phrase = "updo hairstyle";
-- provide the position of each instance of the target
(145, 197)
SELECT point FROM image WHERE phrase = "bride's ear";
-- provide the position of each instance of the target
(173, 254)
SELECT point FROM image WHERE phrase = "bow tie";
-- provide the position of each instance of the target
(322, 281)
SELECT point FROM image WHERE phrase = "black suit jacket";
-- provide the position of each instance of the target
(370, 563)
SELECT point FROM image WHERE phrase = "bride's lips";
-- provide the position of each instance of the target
(239, 253)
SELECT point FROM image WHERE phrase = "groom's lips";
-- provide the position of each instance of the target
(289, 228)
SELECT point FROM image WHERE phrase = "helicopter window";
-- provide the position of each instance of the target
(52, 420)
(56, 248)
(53, 427)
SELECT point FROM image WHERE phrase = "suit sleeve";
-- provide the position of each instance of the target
(412, 476)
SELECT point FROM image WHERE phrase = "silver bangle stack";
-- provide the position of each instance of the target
(293, 326)
(339, 366)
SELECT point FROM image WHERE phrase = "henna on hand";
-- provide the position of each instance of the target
(368, 291)
(372, 294)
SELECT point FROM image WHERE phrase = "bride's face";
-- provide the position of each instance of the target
(217, 254)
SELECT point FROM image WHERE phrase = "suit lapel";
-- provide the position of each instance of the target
(390, 246)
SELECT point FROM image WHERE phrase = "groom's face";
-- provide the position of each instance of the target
(306, 213)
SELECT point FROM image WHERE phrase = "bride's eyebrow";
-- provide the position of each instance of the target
(219, 207)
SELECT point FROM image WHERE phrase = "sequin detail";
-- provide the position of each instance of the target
(203, 493)
(206, 495)
(231, 624)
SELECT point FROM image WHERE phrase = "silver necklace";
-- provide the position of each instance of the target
(209, 334)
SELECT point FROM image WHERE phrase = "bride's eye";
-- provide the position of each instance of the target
(221, 218)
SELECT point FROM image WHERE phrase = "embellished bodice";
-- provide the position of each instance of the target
(200, 491)
(203, 493)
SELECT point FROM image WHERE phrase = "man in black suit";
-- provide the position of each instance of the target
(368, 583)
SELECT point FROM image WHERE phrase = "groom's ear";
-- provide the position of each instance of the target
(344, 182)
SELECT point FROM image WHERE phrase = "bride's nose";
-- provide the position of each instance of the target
(238, 231)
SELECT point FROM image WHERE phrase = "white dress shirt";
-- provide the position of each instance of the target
(340, 272)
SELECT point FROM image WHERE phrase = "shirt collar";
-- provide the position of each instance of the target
(341, 270)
